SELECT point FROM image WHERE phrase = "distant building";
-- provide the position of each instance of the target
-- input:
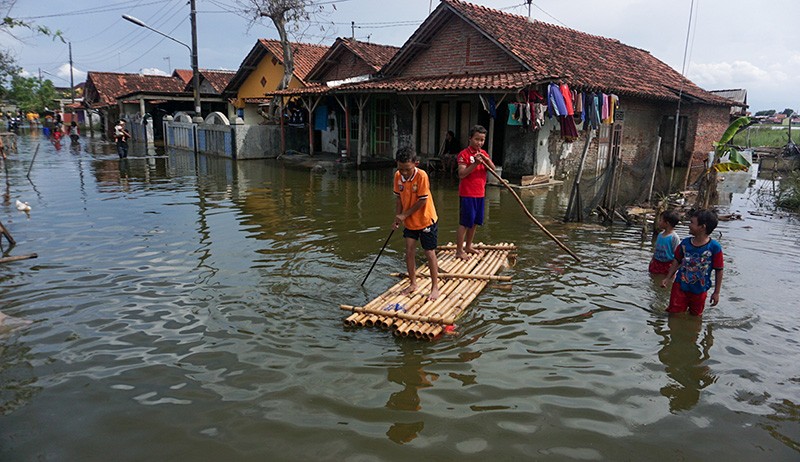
(738, 96)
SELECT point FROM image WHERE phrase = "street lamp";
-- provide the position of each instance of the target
(192, 50)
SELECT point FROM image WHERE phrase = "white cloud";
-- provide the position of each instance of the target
(152, 71)
(736, 74)
(77, 75)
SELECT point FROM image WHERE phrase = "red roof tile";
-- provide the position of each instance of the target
(103, 88)
(183, 74)
(582, 60)
(305, 55)
(218, 79)
(372, 53)
(473, 83)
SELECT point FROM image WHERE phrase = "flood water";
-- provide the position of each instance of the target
(188, 308)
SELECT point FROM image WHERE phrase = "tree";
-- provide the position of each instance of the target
(788, 111)
(768, 113)
(290, 17)
(31, 93)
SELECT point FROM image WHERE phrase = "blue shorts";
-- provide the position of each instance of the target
(426, 236)
(471, 211)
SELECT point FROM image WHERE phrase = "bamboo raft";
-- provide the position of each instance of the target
(460, 282)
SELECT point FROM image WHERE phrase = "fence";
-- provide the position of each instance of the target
(216, 135)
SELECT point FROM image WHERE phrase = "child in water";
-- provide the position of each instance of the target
(666, 243)
(695, 259)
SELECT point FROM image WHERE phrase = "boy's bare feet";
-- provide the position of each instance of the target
(472, 251)
(409, 290)
(461, 255)
(434, 294)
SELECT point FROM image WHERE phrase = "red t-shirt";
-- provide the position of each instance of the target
(474, 184)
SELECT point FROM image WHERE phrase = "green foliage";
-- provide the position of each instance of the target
(11, 23)
(727, 156)
(788, 112)
(31, 93)
(788, 195)
(768, 113)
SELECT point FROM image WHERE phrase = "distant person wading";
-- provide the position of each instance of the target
(121, 137)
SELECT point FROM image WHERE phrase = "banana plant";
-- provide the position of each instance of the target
(727, 156)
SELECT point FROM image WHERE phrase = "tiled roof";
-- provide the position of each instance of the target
(373, 56)
(305, 55)
(183, 74)
(472, 83)
(582, 60)
(107, 86)
(372, 53)
(218, 79)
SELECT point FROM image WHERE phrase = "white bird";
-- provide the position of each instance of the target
(23, 206)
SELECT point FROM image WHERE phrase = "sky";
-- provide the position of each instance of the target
(731, 43)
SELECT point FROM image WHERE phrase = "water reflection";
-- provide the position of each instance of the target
(684, 360)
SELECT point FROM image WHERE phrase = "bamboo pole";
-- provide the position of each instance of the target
(17, 258)
(488, 277)
(4, 232)
(533, 219)
(36, 151)
(481, 247)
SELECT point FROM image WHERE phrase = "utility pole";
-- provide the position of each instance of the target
(169, 64)
(71, 76)
(353, 29)
(529, 9)
(195, 70)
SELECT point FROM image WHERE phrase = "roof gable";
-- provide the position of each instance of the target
(305, 57)
(350, 58)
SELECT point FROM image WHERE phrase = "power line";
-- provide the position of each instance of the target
(102, 9)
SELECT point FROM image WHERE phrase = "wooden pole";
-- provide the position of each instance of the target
(34, 158)
(575, 196)
(17, 258)
(655, 166)
(4, 232)
(379, 256)
(533, 219)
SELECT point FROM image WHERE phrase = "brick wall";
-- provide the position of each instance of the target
(460, 49)
(347, 65)
(706, 126)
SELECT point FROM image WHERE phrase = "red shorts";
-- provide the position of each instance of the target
(659, 267)
(679, 301)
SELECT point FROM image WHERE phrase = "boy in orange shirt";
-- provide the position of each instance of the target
(415, 210)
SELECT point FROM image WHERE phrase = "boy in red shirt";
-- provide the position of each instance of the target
(415, 210)
(472, 164)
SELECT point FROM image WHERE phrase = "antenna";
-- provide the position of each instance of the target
(529, 8)
(169, 64)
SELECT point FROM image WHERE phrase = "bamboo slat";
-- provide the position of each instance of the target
(460, 282)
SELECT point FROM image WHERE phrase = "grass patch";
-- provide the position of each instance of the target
(788, 194)
(764, 135)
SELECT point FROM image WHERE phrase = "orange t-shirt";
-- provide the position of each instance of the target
(410, 190)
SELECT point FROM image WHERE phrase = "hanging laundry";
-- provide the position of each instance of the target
(555, 101)
(604, 109)
(513, 115)
(567, 94)
(540, 111)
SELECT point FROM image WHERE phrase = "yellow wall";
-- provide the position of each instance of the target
(252, 88)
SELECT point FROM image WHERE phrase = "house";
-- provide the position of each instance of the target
(467, 64)
(262, 71)
(739, 97)
(136, 96)
(103, 89)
